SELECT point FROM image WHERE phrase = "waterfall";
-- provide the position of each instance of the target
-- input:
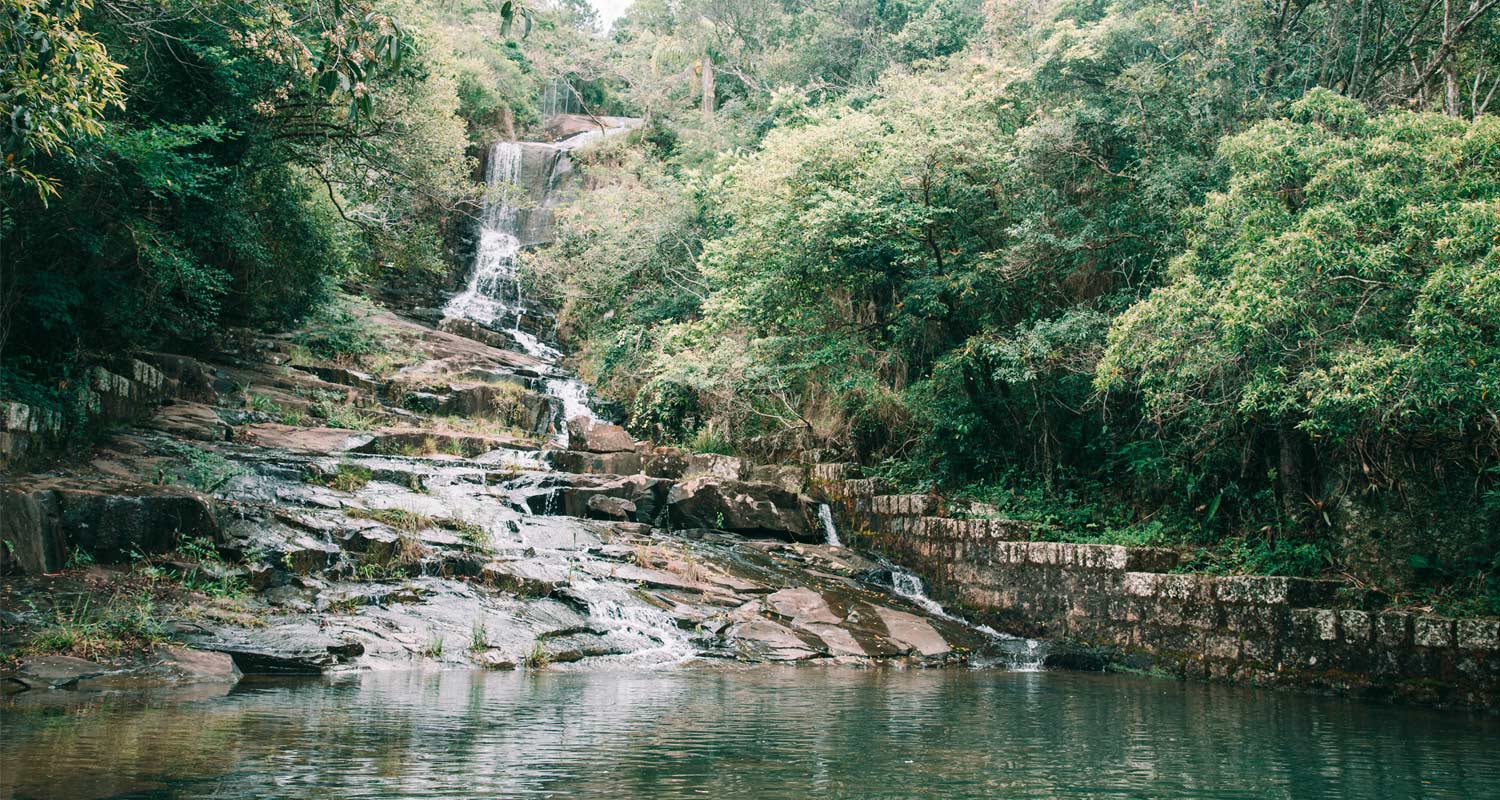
(830, 533)
(493, 290)
(493, 295)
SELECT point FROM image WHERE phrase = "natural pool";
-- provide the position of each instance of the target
(748, 733)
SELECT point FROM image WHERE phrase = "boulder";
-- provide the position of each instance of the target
(613, 508)
(646, 496)
(40, 525)
(792, 479)
(524, 578)
(665, 462)
(595, 436)
(715, 465)
(757, 509)
(581, 463)
(56, 672)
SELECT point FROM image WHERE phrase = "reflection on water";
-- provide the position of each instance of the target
(759, 733)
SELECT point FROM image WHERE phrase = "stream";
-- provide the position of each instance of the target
(761, 732)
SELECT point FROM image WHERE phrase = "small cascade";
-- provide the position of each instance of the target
(648, 636)
(493, 291)
(1021, 655)
(830, 533)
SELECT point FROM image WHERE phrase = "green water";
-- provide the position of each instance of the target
(757, 733)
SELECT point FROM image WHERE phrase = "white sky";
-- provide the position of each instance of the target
(609, 11)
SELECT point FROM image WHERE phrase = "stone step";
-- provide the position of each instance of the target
(836, 472)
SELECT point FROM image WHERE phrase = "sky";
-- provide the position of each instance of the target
(609, 10)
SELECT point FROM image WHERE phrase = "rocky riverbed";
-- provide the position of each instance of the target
(423, 508)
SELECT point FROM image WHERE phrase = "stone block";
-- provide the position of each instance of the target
(1009, 530)
(1260, 650)
(1141, 584)
(1326, 624)
(1356, 626)
(1221, 648)
(1393, 629)
(865, 487)
(1302, 625)
(1479, 634)
(831, 473)
(1251, 589)
(1433, 632)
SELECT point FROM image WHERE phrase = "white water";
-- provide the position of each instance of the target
(649, 636)
(1027, 657)
(493, 294)
(830, 533)
(492, 290)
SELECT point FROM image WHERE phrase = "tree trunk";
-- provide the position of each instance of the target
(708, 89)
(1292, 474)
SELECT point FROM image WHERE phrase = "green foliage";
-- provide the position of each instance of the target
(345, 478)
(124, 622)
(340, 331)
(58, 83)
(204, 470)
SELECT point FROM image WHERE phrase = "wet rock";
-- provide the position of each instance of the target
(582, 463)
(190, 421)
(305, 555)
(912, 632)
(566, 647)
(285, 647)
(606, 507)
(109, 521)
(495, 660)
(715, 466)
(352, 378)
(56, 672)
(524, 578)
(802, 606)
(506, 402)
(595, 436)
(761, 639)
(31, 537)
(169, 666)
(757, 509)
(647, 495)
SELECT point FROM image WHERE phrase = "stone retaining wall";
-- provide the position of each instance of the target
(1126, 603)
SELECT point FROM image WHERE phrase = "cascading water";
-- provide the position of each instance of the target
(493, 291)
(493, 296)
(830, 532)
(1022, 655)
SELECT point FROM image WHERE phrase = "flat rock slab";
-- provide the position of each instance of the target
(912, 631)
(56, 672)
(802, 606)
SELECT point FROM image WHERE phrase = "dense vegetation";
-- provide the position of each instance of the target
(1216, 275)
(173, 167)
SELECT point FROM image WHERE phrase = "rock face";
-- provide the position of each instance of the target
(594, 436)
(714, 465)
(757, 509)
(417, 539)
(43, 523)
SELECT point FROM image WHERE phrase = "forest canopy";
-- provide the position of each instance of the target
(1222, 276)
